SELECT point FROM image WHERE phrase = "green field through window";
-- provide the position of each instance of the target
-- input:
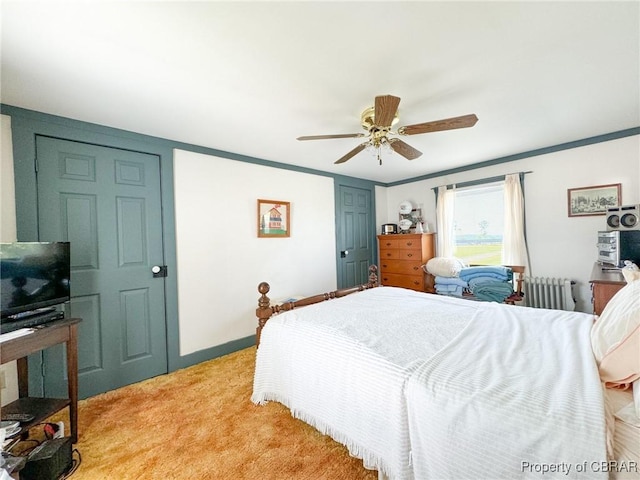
(480, 254)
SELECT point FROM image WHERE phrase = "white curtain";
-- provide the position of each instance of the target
(445, 244)
(514, 245)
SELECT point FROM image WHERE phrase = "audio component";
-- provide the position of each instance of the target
(624, 217)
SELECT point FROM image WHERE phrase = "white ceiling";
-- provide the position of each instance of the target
(250, 77)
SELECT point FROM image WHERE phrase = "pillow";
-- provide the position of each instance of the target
(630, 413)
(444, 266)
(621, 365)
(615, 338)
(636, 397)
(630, 275)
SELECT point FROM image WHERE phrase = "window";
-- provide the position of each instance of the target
(483, 222)
(478, 224)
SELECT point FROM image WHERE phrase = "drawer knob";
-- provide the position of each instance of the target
(409, 244)
(410, 255)
(388, 254)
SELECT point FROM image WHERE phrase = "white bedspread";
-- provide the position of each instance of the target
(341, 366)
(515, 395)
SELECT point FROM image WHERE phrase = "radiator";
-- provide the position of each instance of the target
(553, 293)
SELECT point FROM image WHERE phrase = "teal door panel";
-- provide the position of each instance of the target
(106, 202)
(355, 238)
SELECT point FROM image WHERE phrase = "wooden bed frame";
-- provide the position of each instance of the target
(265, 310)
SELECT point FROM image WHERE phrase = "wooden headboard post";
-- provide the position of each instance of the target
(265, 309)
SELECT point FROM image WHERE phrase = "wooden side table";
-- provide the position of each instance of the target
(604, 285)
(47, 335)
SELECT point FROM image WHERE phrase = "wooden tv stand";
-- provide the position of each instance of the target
(47, 335)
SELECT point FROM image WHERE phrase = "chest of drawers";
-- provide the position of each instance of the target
(604, 285)
(402, 257)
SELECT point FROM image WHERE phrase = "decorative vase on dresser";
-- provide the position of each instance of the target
(402, 257)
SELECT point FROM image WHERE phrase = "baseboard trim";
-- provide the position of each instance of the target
(213, 352)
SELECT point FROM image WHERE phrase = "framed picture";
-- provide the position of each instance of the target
(595, 200)
(274, 218)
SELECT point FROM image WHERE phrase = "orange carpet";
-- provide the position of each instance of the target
(199, 423)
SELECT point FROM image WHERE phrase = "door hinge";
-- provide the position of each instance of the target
(35, 163)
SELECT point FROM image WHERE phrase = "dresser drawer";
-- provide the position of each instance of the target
(398, 254)
(414, 282)
(602, 293)
(401, 243)
(400, 266)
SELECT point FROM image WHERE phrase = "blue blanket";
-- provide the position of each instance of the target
(455, 290)
(493, 271)
(451, 281)
(491, 290)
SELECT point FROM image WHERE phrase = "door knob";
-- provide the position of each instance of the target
(344, 253)
(159, 271)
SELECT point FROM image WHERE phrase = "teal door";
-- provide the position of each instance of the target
(356, 235)
(106, 202)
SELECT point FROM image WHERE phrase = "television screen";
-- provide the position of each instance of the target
(33, 275)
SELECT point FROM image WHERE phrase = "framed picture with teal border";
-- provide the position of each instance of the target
(274, 218)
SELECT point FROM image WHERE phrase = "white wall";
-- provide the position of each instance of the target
(382, 215)
(7, 234)
(221, 260)
(559, 246)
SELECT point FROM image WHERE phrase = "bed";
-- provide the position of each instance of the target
(423, 386)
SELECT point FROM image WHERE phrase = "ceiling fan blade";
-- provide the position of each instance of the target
(352, 153)
(386, 107)
(324, 137)
(404, 149)
(438, 125)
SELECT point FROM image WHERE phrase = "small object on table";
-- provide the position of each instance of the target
(18, 417)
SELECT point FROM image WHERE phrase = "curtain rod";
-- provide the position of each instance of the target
(471, 183)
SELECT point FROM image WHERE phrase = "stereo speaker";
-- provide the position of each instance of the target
(624, 217)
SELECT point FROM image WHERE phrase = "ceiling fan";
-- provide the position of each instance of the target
(378, 120)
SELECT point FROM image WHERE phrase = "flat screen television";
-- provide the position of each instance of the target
(33, 275)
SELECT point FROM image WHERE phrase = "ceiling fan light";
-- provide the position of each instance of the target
(385, 147)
